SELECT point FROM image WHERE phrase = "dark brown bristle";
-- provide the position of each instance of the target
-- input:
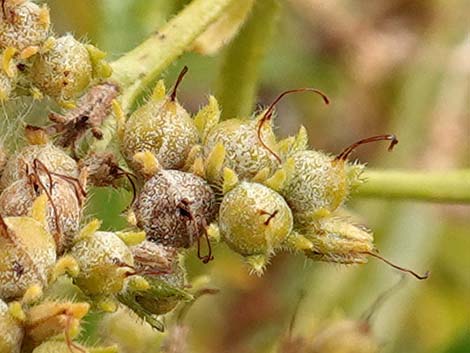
(269, 112)
(177, 83)
(348, 150)
(402, 269)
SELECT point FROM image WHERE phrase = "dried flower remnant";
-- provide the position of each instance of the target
(91, 110)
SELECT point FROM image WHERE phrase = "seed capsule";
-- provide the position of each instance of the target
(174, 208)
(27, 252)
(163, 127)
(54, 159)
(64, 71)
(255, 221)
(23, 26)
(64, 206)
(319, 183)
(11, 331)
(339, 240)
(104, 261)
(250, 145)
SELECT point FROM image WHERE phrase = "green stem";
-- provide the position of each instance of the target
(441, 187)
(141, 66)
(239, 74)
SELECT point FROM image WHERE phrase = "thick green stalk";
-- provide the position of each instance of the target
(141, 66)
(443, 187)
(239, 73)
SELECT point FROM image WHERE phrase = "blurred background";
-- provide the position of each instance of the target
(389, 66)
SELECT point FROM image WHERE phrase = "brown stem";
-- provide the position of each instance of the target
(348, 150)
(403, 269)
(269, 112)
(177, 83)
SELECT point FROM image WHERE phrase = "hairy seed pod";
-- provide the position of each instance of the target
(23, 26)
(249, 145)
(11, 331)
(174, 208)
(104, 261)
(254, 221)
(64, 206)
(320, 183)
(346, 336)
(53, 158)
(161, 126)
(339, 240)
(244, 153)
(27, 252)
(64, 71)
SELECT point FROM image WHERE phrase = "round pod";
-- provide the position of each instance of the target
(317, 184)
(244, 153)
(254, 219)
(12, 331)
(64, 71)
(162, 127)
(104, 261)
(27, 255)
(63, 207)
(52, 157)
(174, 208)
(23, 25)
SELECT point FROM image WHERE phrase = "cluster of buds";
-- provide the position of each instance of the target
(195, 180)
(36, 62)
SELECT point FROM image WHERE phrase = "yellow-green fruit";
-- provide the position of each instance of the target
(11, 331)
(244, 153)
(345, 336)
(340, 240)
(53, 158)
(162, 127)
(319, 184)
(23, 24)
(27, 255)
(254, 220)
(104, 261)
(64, 71)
